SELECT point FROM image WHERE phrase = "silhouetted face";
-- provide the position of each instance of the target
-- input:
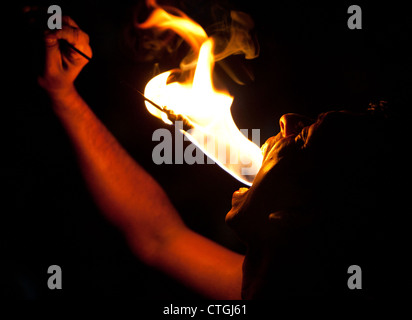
(274, 188)
(282, 186)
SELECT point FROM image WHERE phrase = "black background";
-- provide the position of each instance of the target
(309, 62)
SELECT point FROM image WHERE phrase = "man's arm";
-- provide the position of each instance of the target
(125, 193)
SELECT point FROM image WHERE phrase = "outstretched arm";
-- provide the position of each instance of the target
(126, 194)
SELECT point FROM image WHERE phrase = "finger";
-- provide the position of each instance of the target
(70, 34)
(73, 36)
(69, 22)
(74, 59)
(76, 38)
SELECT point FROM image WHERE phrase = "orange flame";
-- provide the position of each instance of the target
(208, 109)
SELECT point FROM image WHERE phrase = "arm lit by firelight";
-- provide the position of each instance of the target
(127, 195)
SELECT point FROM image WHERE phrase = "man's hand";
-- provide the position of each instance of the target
(63, 64)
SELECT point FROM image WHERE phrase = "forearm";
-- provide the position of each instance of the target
(125, 193)
(132, 200)
(128, 196)
(202, 265)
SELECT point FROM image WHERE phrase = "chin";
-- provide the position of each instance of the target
(231, 216)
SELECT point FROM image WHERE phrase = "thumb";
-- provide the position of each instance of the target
(52, 53)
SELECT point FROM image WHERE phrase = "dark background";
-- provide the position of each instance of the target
(309, 62)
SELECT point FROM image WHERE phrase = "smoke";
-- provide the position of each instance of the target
(232, 33)
(241, 39)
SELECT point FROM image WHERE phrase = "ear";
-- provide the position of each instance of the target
(277, 216)
(281, 225)
(281, 218)
(290, 217)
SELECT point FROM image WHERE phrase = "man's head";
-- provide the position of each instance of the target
(315, 203)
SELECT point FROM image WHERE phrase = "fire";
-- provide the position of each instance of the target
(195, 98)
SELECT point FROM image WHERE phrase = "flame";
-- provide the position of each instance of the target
(196, 98)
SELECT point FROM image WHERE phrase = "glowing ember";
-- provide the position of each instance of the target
(208, 109)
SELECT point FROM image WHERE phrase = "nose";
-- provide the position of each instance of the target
(292, 123)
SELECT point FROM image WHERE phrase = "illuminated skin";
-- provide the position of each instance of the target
(294, 133)
(125, 193)
(133, 201)
(264, 216)
(297, 197)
